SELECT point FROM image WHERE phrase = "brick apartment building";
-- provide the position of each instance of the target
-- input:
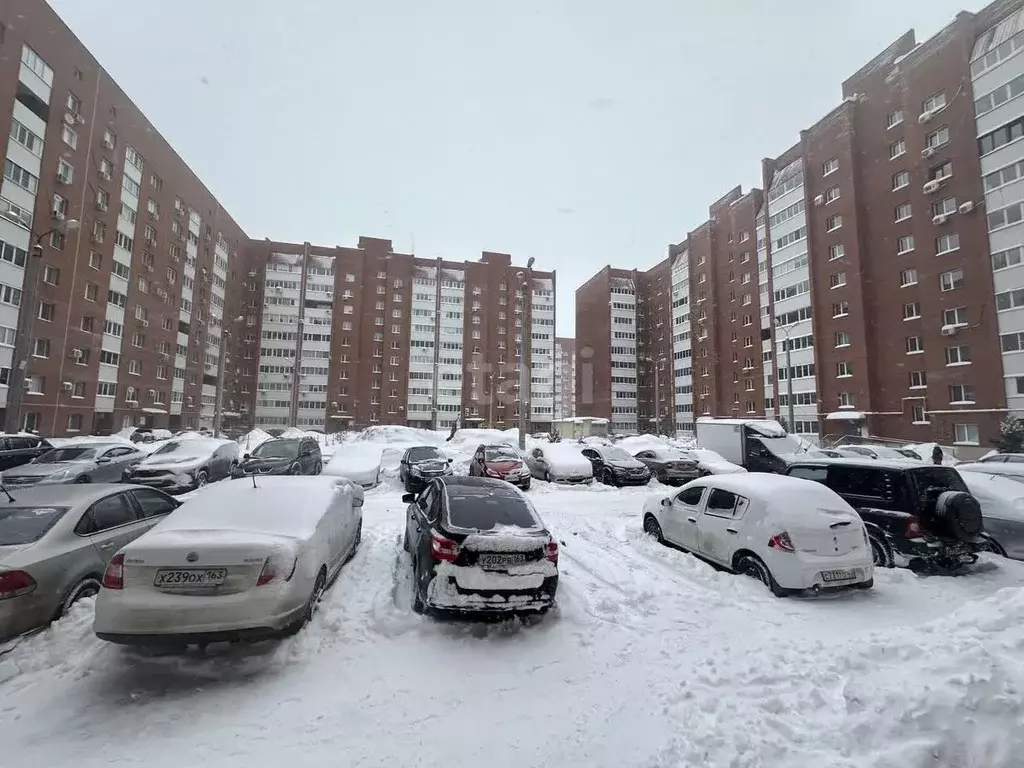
(863, 241)
(136, 303)
(565, 377)
(381, 337)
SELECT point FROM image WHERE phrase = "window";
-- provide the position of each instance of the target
(897, 148)
(1004, 176)
(831, 194)
(934, 102)
(832, 223)
(946, 244)
(836, 251)
(35, 385)
(26, 138)
(958, 355)
(945, 207)
(350, 278)
(967, 434)
(845, 400)
(918, 380)
(51, 275)
(904, 245)
(841, 309)
(956, 317)
(842, 339)
(914, 345)
(911, 311)
(895, 118)
(18, 175)
(917, 415)
(1004, 217)
(951, 280)
(830, 166)
(46, 311)
(74, 422)
(41, 348)
(65, 171)
(940, 172)
(843, 370)
(95, 260)
(961, 393)
(1010, 342)
(900, 180)
(936, 139)
(134, 367)
(133, 157)
(908, 277)
(69, 136)
(837, 279)
(903, 212)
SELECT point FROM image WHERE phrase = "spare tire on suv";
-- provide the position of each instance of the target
(959, 514)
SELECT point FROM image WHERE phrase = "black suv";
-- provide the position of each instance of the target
(282, 456)
(920, 512)
(16, 450)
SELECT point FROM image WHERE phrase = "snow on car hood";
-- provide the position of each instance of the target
(42, 470)
(714, 462)
(565, 458)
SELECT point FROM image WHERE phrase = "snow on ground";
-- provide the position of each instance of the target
(651, 658)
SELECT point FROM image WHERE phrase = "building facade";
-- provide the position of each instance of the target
(565, 377)
(137, 258)
(870, 316)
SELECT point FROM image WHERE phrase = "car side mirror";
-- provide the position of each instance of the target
(666, 502)
(246, 456)
(103, 460)
(408, 498)
(449, 461)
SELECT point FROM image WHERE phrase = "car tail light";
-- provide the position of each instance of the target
(781, 542)
(15, 583)
(275, 569)
(442, 548)
(914, 528)
(551, 551)
(113, 577)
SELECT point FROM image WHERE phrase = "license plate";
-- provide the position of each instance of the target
(500, 561)
(838, 575)
(190, 578)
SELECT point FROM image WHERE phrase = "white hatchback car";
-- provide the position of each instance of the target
(239, 561)
(794, 535)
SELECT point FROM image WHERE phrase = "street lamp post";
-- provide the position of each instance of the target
(789, 378)
(524, 355)
(26, 317)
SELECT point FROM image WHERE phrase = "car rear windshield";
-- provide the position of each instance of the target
(66, 454)
(277, 449)
(479, 512)
(194, 448)
(500, 454)
(24, 525)
(946, 478)
(424, 454)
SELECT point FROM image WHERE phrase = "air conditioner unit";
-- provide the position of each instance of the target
(931, 186)
(925, 116)
(927, 152)
(949, 330)
(68, 386)
(966, 207)
(819, 200)
(940, 219)
(144, 323)
(75, 354)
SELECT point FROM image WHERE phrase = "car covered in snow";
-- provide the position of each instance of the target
(85, 462)
(788, 533)
(501, 461)
(184, 464)
(1002, 510)
(712, 463)
(55, 541)
(919, 515)
(421, 464)
(670, 465)
(479, 546)
(1008, 465)
(614, 466)
(359, 462)
(244, 560)
(559, 463)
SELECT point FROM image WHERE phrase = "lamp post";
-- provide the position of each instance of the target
(524, 354)
(218, 406)
(789, 377)
(26, 316)
(657, 391)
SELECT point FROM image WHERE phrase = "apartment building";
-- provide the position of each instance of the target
(139, 272)
(866, 318)
(354, 337)
(565, 377)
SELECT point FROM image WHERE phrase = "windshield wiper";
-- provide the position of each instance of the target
(8, 494)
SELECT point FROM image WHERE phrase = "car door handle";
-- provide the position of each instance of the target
(107, 545)
(731, 530)
(692, 519)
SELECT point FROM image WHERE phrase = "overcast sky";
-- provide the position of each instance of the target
(580, 132)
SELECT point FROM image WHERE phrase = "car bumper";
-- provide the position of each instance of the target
(572, 480)
(238, 472)
(519, 481)
(171, 482)
(632, 480)
(809, 573)
(482, 592)
(679, 477)
(19, 615)
(417, 483)
(934, 550)
(140, 617)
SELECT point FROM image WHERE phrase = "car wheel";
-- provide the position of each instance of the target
(83, 479)
(653, 528)
(753, 566)
(318, 468)
(357, 542)
(608, 477)
(406, 544)
(547, 477)
(296, 470)
(316, 596)
(418, 603)
(202, 479)
(881, 550)
(993, 546)
(88, 587)
(526, 486)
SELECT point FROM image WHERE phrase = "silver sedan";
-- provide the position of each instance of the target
(56, 541)
(86, 462)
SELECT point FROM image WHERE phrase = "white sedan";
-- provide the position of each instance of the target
(239, 561)
(794, 535)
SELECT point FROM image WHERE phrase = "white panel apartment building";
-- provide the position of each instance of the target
(623, 355)
(682, 351)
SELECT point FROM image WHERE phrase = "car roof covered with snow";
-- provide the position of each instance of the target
(867, 462)
(290, 506)
(788, 498)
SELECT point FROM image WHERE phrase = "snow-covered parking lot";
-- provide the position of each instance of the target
(651, 658)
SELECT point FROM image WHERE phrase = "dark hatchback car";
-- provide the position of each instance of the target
(615, 466)
(922, 514)
(282, 456)
(16, 450)
(420, 465)
(478, 546)
(670, 466)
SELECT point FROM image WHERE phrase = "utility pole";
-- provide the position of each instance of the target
(26, 319)
(524, 373)
(789, 379)
(218, 407)
(657, 401)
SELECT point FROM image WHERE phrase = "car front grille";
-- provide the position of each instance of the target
(22, 480)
